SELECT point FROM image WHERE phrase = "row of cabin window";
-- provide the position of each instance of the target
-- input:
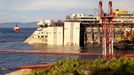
(42, 36)
(49, 32)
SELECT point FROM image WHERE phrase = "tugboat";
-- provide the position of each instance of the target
(17, 29)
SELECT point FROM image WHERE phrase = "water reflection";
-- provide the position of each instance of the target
(84, 49)
(43, 47)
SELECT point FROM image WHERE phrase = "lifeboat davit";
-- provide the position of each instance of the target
(17, 29)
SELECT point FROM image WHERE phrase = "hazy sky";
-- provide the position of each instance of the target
(34, 10)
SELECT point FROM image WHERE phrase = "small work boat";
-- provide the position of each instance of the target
(17, 29)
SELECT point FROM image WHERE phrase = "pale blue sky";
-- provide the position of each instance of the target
(34, 10)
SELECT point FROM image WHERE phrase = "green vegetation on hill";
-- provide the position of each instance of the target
(114, 66)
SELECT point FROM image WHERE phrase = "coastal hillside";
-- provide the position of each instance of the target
(23, 25)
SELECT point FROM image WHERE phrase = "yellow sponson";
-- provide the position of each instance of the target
(119, 38)
(120, 12)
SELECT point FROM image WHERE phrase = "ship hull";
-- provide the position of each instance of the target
(17, 30)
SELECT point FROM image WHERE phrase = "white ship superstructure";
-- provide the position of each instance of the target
(47, 33)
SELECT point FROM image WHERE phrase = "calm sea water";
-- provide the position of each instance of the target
(10, 40)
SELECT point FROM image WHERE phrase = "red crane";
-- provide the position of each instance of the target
(107, 29)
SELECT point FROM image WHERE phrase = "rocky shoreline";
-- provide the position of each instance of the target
(114, 66)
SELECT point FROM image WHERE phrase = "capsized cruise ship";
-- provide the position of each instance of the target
(79, 29)
(69, 32)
